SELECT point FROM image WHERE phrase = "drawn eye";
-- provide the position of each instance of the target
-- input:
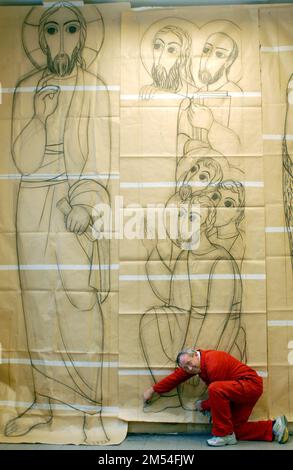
(229, 203)
(194, 169)
(157, 45)
(220, 55)
(204, 176)
(172, 50)
(206, 50)
(52, 29)
(72, 28)
(215, 196)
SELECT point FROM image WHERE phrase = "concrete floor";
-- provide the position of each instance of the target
(158, 442)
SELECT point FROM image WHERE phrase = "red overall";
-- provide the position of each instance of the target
(233, 388)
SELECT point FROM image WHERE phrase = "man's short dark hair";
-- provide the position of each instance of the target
(189, 351)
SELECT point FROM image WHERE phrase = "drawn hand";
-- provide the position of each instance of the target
(200, 116)
(77, 220)
(46, 100)
(147, 92)
(147, 394)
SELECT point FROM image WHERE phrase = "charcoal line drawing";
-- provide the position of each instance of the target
(219, 56)
(204, 120)
(61, 145)
(203, 66)
(169, 44)
(287, 155)
(194, 310)
(191, 309)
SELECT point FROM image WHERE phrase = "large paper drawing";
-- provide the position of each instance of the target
(199, 69)
(288, 166)
(188, 111)
(61, 145)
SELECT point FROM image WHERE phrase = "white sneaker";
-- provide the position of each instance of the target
(280, 429)
(218, 441)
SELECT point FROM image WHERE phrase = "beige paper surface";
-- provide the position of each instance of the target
(276, 62)
(59, 285)
(191, 116)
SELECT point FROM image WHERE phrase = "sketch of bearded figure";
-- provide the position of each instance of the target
(61, 147)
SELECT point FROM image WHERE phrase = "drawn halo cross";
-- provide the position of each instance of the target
(146, 47)
(94, 35)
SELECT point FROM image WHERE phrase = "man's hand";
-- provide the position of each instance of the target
(147, 395)
(198, 405)
(200, 116)
(77, 220)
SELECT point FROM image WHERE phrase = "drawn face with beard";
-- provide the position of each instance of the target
(218, 55)
(61, 34)
(167, 61)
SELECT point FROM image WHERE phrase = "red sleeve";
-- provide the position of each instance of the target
(171, 381)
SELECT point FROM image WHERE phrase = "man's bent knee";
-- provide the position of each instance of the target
(215, 388)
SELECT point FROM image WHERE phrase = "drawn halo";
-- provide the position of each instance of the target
(94, 36)
(232, 30)
(146, 47)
